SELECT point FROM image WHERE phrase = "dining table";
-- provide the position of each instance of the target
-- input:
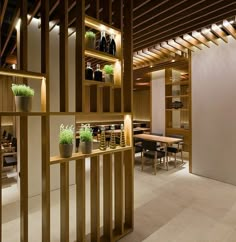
(164, 140)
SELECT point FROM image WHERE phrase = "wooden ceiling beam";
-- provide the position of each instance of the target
(198, 36)
(145, 56)
(172, 32)
(163, 10)
(183, 43)
(229, 28)
(11, 29)
(166, 46)
(139, 4)
(209, 35)
(156, 56)
(4, 7)
(219, 32)
(151, 6)
(176, 45)
(36, 9)
(170, 21)
(192, 41)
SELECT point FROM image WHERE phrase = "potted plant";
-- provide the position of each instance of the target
(66, 137)
(23, 97)
(108, 73)
(86, 139)
(90, 38)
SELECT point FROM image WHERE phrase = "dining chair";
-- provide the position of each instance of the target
(150, 151)
(138, 147)
(176, 148)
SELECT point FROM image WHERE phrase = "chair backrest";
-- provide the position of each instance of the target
(177, 136)
(149, 145)
(9, 136)
(158, 134)
(4, 133)
(14, 143)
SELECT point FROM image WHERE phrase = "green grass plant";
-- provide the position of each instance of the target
(66, 135)
(90, 34)
(22, 90)
(86, 133)
(108, 69)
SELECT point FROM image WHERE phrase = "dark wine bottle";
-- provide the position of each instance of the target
(112, 45)
(98, 74)
(103, 42)
(89, 72)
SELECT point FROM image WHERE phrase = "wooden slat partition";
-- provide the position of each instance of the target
(129, 186)
(1, 184)
(64, 205)
(95, 198)
(24, 179)
(80, 200)
(119, 192)
(107, 197)
(45, 123)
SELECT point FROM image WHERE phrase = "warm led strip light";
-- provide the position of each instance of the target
(100, 56)
(20, 74)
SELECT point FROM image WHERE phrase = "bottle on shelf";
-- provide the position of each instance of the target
(112, 45)
(103, 42)
(89, 72)
(98, 74)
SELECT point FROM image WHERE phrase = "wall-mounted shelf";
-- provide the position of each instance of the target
(186, 82)
(101, 55)
(177, 109)
(100, 84)
(178, 96)
(76, 156)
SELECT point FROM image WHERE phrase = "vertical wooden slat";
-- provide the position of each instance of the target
(24, 179)
(95, 201)
(119, 197)
(64, 100)
(107, 196)
(45, 133)
(80, 200)
(23, 59)
(64, 182)
(128, 57)
(129, 189)
(79, 56)
(64, 167)
(45, 123)
(1, 184)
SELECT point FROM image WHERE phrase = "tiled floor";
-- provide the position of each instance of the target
(172, 206)
(176, 206)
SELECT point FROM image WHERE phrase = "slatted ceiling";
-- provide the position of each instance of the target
(229, 28)
(219, 32)
(198, 36)
(192, 41)
(209, 35)
(173, 24)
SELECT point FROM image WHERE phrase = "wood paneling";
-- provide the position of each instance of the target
(141, 105)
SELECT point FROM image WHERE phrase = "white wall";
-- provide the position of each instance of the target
(158, 101)
(214, 112)
(34, 128)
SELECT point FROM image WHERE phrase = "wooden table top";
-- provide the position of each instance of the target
(162, 139)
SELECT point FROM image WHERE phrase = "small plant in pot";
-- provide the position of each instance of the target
(86, 139)
(108, 73)
(66, 137)
(90, 40)
(23, 97)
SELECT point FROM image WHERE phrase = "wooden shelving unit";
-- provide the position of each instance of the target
(178, 89)
(91, 98)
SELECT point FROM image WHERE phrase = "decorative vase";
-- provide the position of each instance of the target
(109, 78)
(89, 43)
(65, 150)
(23, 103)
(102, 145)
(86, 147)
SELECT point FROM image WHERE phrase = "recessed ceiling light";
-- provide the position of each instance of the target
(173, 60)
(139, 78)
(151, 66)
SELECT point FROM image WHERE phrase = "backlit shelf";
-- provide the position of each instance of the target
(101, 55)
(100, 84)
